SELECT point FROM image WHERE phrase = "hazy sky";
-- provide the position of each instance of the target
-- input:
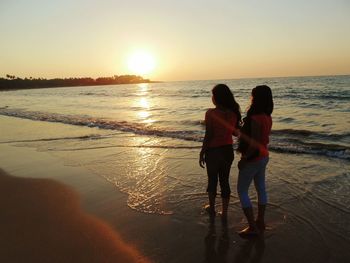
(190, 39)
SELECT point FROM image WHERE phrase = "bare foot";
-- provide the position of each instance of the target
(210, 210)
(248, 232)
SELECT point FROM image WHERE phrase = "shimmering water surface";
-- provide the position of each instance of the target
(311, 114)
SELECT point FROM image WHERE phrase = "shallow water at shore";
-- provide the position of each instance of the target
(307, 196)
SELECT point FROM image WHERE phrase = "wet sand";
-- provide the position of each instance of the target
(297, 233)
(42, 221)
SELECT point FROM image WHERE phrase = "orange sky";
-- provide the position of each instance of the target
(187, 39)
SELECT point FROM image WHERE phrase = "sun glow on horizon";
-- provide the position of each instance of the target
(141, 63)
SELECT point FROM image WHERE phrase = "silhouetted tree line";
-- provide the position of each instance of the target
(13, 82)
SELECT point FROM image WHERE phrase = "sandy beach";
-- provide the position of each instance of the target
(42, 221)
(48, 184)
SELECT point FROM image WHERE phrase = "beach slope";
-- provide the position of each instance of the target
(42, 221)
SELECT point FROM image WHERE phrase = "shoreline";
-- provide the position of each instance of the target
(187, 236)
(94, 85)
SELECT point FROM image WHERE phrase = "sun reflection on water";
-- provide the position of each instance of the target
(143, 87)
(143, 114)
(149, 175)
(144, 103)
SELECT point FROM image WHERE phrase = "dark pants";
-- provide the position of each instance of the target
(218, 161)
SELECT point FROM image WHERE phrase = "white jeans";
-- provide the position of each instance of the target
(252, 171)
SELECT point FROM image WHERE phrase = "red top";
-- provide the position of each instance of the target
(222, 124)
(265, 123)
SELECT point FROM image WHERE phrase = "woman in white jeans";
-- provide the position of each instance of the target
(255, 156)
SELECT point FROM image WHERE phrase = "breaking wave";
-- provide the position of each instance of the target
(284, 140)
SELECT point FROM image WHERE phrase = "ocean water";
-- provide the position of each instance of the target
(311, 114)
(145, 139)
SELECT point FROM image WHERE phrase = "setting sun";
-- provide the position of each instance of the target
(141, 63)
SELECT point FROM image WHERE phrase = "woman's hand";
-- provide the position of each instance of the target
(201, 159)
(236, 132)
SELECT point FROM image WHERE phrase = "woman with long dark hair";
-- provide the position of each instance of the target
(253, 142)
(217, 153)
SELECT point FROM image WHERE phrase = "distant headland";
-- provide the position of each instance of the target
(12, 82)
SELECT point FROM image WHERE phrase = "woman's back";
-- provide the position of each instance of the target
(264, 121)
(222, 125)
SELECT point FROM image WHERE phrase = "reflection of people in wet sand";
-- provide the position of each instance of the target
(217, 151)
(41, 221)
(217, 245)
(255, 156)
(251, 251)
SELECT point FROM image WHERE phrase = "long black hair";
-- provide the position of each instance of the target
(262, 101)
(224, 97)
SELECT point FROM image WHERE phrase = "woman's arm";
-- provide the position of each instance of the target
(236, 132)
(253, 142)
(236, 128)
(207, 137)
